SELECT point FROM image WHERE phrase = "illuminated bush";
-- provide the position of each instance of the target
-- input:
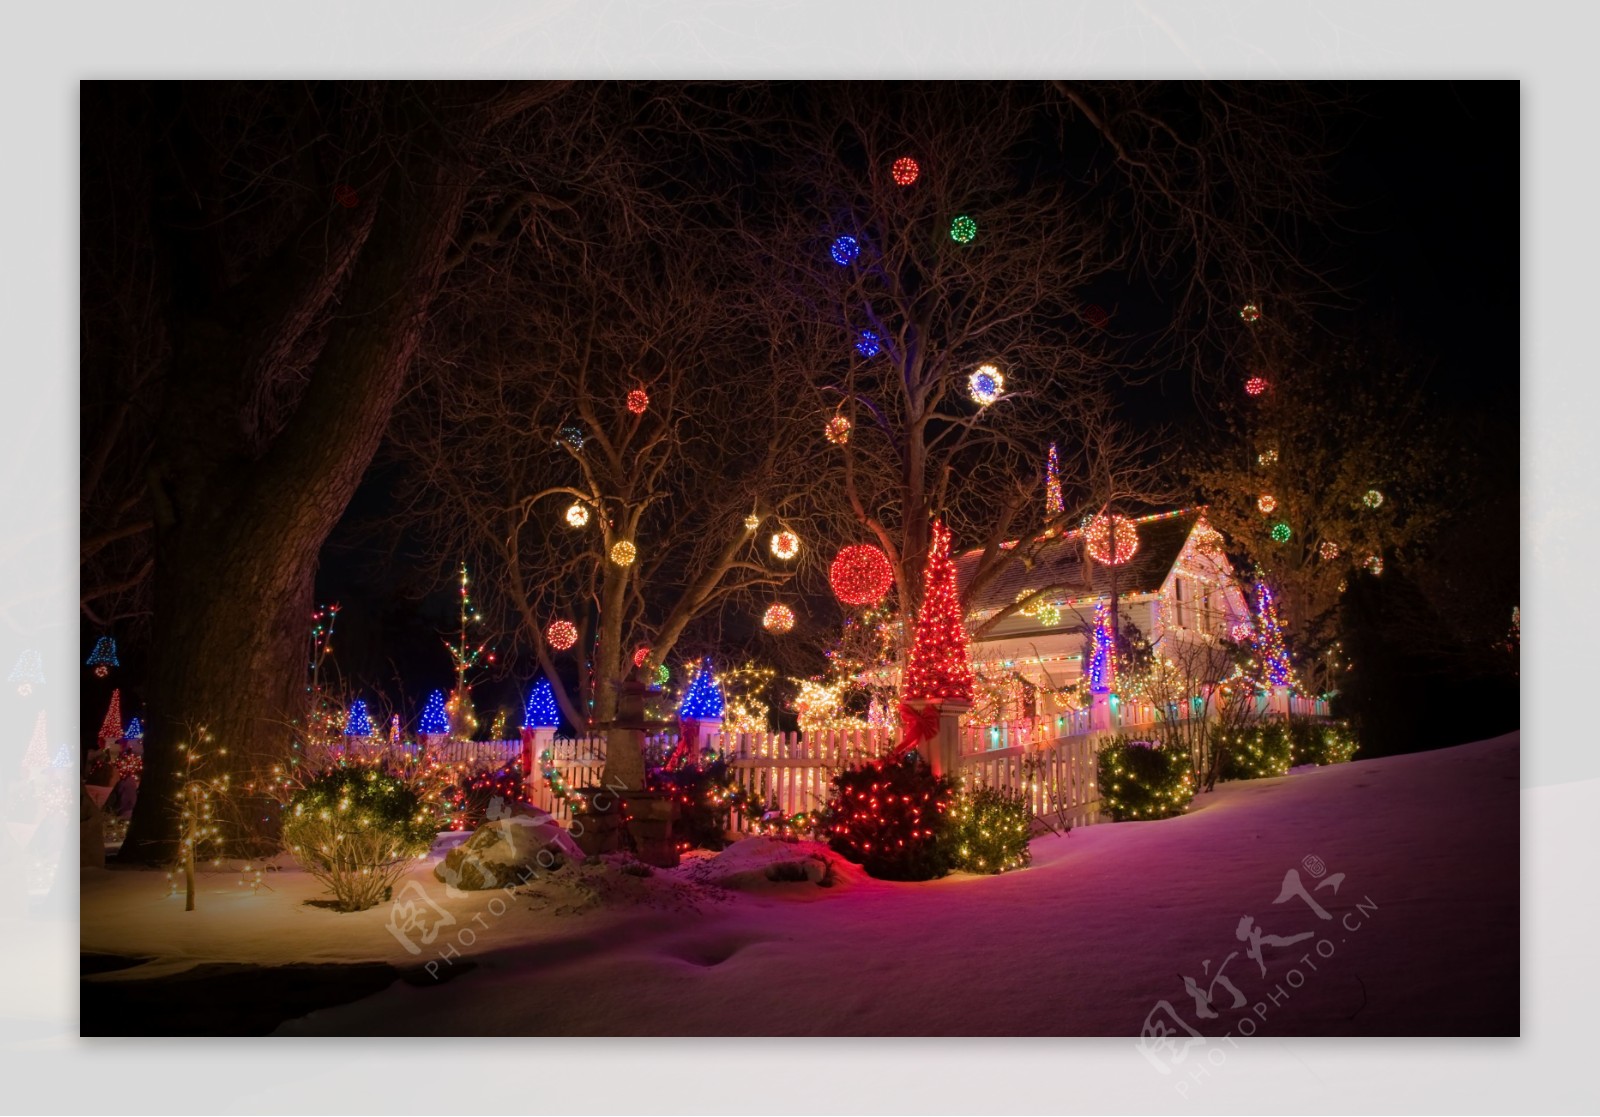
(356, 830)
(1143, 780)
(1257, 752)
(1318, 742)
(706, 794)
(990, 829)
(891, 818)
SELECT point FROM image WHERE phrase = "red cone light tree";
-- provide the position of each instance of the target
(938, 669)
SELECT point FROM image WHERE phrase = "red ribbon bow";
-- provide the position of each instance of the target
(916, 726)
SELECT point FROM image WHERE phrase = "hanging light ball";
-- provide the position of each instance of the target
(1250, 312)
(1112, 540)
(640, 654)
(1255, 385)
(860, 574)
(963, 229)
(838, 430)
(1375, 564)
(663, 675)
(638, 400)
(752, 521)
(1373, 499)
(869, 344)
(1239, 633)
(905, 171)
(1049, 614)
(101, 671)
(623, 553)
(1343, 585)
(786, 544)
(1267, 457)
(1266, 502)
(986, 384)
(572, 436)
(577, 514)
(845, 250)
(1328, 550)
(778, 619)
(1281, 532)
(561, 635)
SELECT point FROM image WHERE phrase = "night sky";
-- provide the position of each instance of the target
(1427, 243)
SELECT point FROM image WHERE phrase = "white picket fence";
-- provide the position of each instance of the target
(1056, 775)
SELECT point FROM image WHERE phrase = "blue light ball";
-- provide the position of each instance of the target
(845, 250)
(868, 344)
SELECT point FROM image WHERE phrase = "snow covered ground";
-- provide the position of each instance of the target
(1421, 936)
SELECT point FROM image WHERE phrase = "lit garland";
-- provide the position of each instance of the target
(1255, 385)
(905, 171)
(986, 384)
(844, 251)
(464, 656)
(744, 687)
(623, 553)
(1102, 654)
(104, 657)
(1374, 564)
(561, 635)
(577, 514)
(572, 436)
(838, 430)
(778, 619)
(1054, 505)
(938, 667)
(28, 673)
(1267, 503)
(1328, 550)
(785, 544)
(703, 699)
(1281, 532)
(1372, 499)
(869, 344)
(540, 711)
(1269, 637)
(638, 401)
(358, 724)
(963, 229)
(1250, 312)
(1112, 540)
(860, 575)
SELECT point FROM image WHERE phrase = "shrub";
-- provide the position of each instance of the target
(990, 829)
(706, 796)
(356, 830)
(1255, 753)
(469, 796)
(1143, 779)
(890, 817)
(1316, 742)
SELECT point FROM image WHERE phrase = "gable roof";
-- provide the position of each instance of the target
(1060, 561)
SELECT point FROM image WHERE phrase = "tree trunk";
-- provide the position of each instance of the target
(237, 539)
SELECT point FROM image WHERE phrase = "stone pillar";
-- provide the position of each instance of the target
(943, 750)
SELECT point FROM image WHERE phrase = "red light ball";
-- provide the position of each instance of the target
(562, 635)
(638, 400)
(1255, 385)
(905, 171)
(861, 575)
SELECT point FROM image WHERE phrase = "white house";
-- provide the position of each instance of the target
(1177, 587)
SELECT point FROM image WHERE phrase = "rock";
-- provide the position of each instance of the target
(507, 851)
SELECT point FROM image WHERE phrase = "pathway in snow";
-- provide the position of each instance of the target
(1421, 939)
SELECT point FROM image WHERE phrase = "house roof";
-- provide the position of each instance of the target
(1060, 562)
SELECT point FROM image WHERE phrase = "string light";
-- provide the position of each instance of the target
(860, 575)
(1267, 503)
(111, 724)
(845, 250)
(1112, 540)
(1267, 457)
(623, 553)
(1049, 614)
(561, 635)
(1054, 505)
(869, 344)
(1328, 550)
(838, 430)
(938, 667)
(540, 711)
(1373, 499)
(572, 436)
(358, 724)
(703, 699)
(963, 229)
(1250, 312)
(663, 674)
(134, 732)
(1255, 385)
(640, 654)
(905, 171)
(577, 515)
(986, 385)
(435, 722)
(778, 619)
(1102, 653)
(1281, 532)
(104, 657)
(1374, 564)
(1269, 637)
(638, 401)
(785, 544)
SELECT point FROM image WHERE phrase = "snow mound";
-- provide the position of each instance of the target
(617, 881)
(760, 864)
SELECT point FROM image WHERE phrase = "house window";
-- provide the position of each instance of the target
(1207, 621)
(1177, 599)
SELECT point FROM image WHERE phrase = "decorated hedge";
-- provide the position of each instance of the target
(1316, 742)
(890, 817)
(1143, 779)
(990, 829)
(1256, 752)
(357, 830)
